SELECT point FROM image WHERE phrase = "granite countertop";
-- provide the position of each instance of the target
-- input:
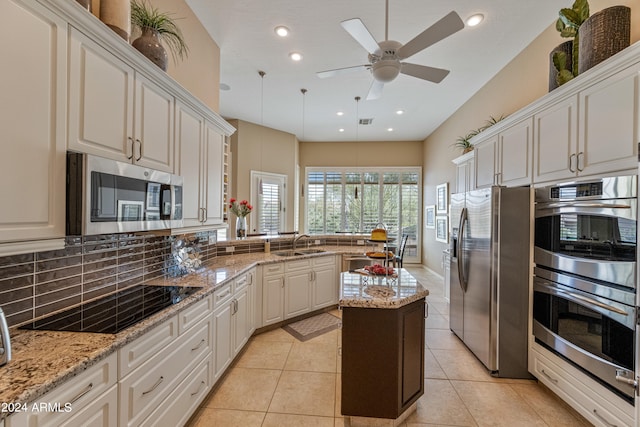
(366, 291)
(42, 360)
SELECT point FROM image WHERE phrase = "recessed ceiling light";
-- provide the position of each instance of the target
(341, 130)
(282, 31)
(389, 129)
(295, 56)
(399, 112)
(474, 20)
(340, 113)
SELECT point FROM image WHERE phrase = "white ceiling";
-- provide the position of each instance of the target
(244, 30)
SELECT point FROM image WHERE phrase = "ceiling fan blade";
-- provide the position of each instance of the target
(360, 33)
(423, 72)
(339, 71)
(438, 31)
(375, 90)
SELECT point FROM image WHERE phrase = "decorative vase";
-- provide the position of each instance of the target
(602, 35)
(150, 46)
(117, 15)
(241, 227)
(567, 48)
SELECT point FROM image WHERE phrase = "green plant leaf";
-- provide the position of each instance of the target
(582, 9)
(559, 60)
(568, 32)
(570, 17)
(560, 26)
(563, 77)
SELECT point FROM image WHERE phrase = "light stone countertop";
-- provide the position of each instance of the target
(387, 292)
(42, 360)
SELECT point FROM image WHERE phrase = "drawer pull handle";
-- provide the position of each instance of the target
(199, 345)
(154, 386)
(603, 419)
(553, 380)
(227, 292)
(82, 393)
(199, 388)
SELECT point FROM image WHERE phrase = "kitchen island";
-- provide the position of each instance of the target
(382, 346)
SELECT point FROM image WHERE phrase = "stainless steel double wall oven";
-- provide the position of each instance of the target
(585, 277)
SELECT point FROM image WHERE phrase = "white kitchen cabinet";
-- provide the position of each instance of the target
(89, 396)
(610, 124)
(200, 161)
(272, 293)
(590, 399)
(114, 111)
(233, 321)
(556, 139)
(297, 287)
(465, 172)
(148, 386)
(184, 399)
(595, 131)
(324, 282)
(505, 158)
(222, 348)
(485, 158)
(33, 123)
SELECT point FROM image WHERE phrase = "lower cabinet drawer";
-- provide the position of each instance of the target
(581, 393)
(183, 402)
(72, 397)
(145, 388)
(156, 341)
(102, 412)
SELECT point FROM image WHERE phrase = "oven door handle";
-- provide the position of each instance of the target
(580, 298)
(585, 205)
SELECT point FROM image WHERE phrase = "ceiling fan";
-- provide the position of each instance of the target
(385, 57)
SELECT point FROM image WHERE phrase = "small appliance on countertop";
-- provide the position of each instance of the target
(5, 342)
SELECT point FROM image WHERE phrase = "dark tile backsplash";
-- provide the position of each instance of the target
(37, 284)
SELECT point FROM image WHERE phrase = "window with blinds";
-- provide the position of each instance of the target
(268, 195)
(357, 200)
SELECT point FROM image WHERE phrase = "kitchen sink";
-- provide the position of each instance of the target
(291, 252)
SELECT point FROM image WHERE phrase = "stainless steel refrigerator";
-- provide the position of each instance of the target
(489, 276)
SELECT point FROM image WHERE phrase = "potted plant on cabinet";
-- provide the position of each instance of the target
(568, 24)
(156, 27)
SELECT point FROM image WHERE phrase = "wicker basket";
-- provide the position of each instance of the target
(566, 47)
(602, 35)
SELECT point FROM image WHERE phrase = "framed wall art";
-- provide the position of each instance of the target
(442, 198)
(442, 230)
(430, 216)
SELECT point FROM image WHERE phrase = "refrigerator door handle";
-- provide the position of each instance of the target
(463, 221)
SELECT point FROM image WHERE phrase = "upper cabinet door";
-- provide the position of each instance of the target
(189, 164)
(154, 109)
(609, 117)
(33, 86)
(101, 101)
(555, 141)
(514, 154)
(485, 155)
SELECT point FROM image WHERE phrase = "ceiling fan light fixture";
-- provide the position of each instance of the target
(474, 20)
(281, 31)
(295, 56)
(386, 70)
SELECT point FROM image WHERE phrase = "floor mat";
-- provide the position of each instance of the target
(314, 326)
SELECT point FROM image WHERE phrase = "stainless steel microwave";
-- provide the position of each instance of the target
(106, 196)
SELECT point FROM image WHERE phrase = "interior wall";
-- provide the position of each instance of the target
(259, 148)
(522, 81)
(199, 72)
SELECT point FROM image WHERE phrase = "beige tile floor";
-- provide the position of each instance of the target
(280, 382)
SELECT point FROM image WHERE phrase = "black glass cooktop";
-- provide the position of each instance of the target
(113, 313)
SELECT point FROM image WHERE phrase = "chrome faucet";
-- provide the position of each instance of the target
(294, 242)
